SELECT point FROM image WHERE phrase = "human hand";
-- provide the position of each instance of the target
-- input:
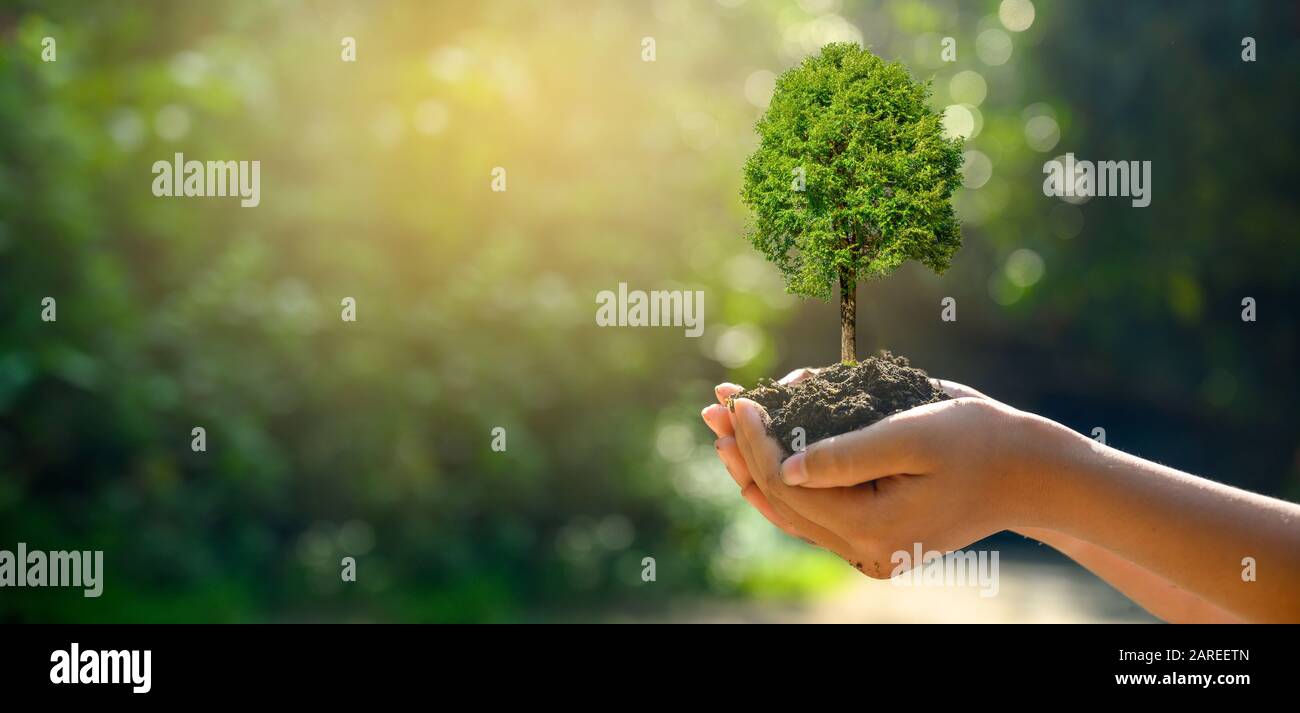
(942, 475)
(946, 474)
(719, 419)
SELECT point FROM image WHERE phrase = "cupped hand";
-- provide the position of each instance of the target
(721, 421)
(941, 475)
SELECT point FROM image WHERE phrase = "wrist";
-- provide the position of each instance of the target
(1050, 461)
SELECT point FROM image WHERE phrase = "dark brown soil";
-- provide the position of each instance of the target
(842, 398)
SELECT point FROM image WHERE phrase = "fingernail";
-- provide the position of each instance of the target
(792, 470)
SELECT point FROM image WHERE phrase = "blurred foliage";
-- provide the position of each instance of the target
(475, 308)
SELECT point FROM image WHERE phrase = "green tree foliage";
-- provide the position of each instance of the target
(852, 178)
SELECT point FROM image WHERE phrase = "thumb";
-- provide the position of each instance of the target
(895, 445)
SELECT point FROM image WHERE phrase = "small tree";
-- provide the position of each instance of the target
(852, 177)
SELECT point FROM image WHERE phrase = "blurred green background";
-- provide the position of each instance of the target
(476, 309)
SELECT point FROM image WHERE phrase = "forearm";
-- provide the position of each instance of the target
(1153, 593)
(1192, 532)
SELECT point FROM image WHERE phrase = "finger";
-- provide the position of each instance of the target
(725, 391)
(755, 498)
(757, 447)
(798, 375)
(729, 452)
(837, 510)
(895, 445)
(717, 419)
(956, 390)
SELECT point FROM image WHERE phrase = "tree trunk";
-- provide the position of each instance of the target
(848, 316)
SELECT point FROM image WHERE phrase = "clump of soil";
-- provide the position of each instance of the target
(842, 398)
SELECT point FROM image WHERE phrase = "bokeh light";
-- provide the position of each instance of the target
(736, 346)
(1024, 268)
(958, 121)
(1016, 15)
(1042, 133)
(431, 117)
(976, 170)
(968, 87)
(172, 122)
(993, 47)
(759, 86)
